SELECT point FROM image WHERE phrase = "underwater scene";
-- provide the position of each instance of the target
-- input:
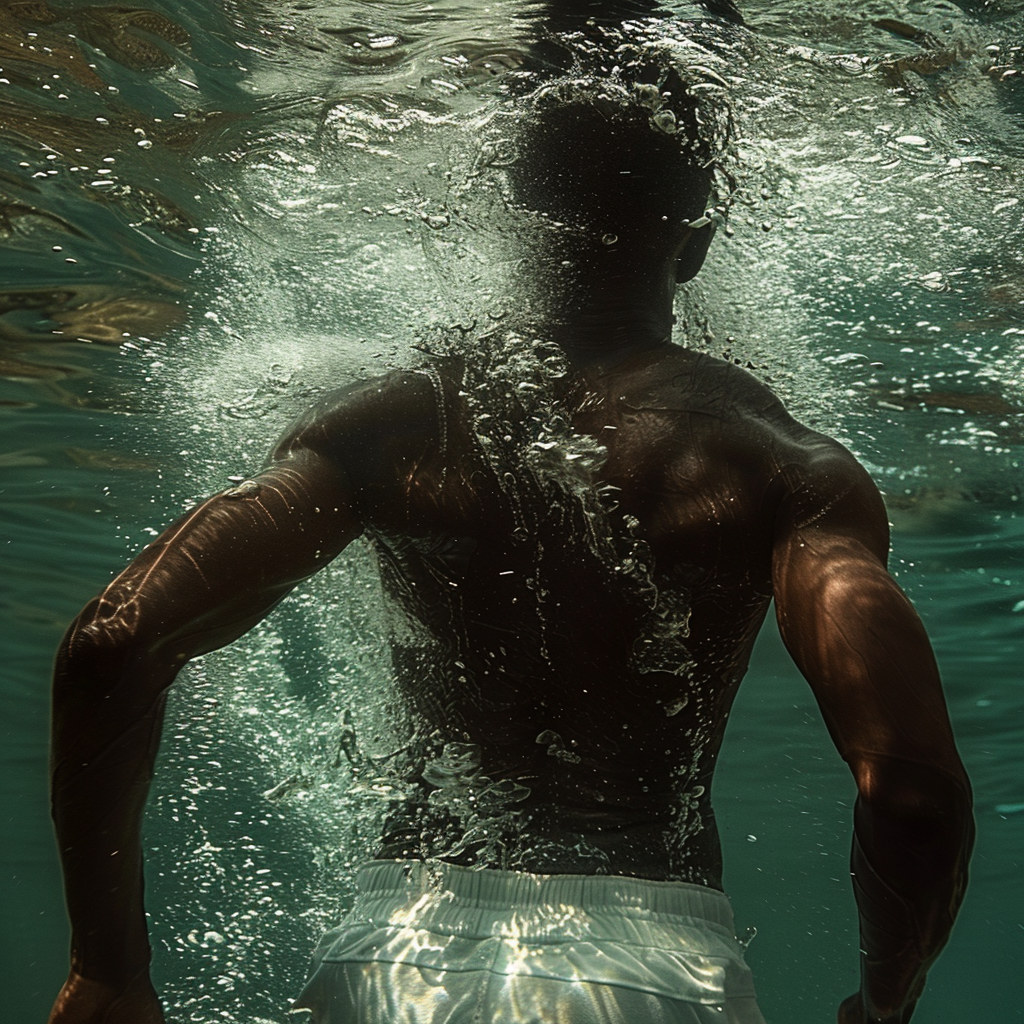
(214, 212)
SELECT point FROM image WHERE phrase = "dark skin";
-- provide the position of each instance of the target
(586, 644)
(735, 500)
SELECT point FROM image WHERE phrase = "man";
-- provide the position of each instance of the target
(584, 543)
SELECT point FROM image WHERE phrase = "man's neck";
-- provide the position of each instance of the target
(606, 340)
(602, 325)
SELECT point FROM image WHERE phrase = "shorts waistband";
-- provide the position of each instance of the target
(489, 887)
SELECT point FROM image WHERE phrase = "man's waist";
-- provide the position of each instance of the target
(549, 838)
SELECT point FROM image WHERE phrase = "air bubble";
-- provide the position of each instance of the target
(673, 709)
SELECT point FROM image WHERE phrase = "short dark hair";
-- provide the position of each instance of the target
(610, 159)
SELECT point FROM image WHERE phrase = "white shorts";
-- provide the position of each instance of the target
(432, 943)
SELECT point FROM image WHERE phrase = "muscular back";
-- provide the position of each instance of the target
(569, 642)
(570, 645)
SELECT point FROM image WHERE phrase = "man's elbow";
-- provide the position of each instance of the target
(109, 683)
(104, 649)
(929, 807)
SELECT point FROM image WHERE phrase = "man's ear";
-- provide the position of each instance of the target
(694, 250)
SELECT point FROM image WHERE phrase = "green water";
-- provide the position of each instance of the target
(288, 232)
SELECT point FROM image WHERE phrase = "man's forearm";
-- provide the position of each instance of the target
(97, 812)
(909, 863)
(104, 748)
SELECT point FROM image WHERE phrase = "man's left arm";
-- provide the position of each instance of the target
(865, 653)
(204, 582)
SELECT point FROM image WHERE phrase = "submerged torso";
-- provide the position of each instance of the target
(569, 645)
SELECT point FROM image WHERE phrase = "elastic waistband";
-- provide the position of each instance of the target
(505, 889)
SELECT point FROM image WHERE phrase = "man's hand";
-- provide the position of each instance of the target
(851, 1011)
(82, 1001)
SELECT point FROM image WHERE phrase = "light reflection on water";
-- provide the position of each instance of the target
(246, 201)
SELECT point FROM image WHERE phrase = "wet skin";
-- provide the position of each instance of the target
(580, 648)
(535, 638)
(735, 502)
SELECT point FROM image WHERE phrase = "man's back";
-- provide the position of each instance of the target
(581, 565)
(572, 641)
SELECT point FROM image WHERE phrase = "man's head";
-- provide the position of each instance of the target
(623, 168)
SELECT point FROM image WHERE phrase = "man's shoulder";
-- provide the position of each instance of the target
(819, 481)
(729, 408)
(804, 461)
(753, 402)
(393, 396)
(383, 410)
(703, 381)
(744, 394)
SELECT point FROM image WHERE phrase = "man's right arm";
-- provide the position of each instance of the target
(863, 649)
(200, 585)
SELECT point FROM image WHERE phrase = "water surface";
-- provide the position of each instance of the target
(212, 211)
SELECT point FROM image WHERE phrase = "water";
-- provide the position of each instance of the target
(202, 235)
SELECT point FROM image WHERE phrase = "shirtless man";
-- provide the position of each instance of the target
(576, 644)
